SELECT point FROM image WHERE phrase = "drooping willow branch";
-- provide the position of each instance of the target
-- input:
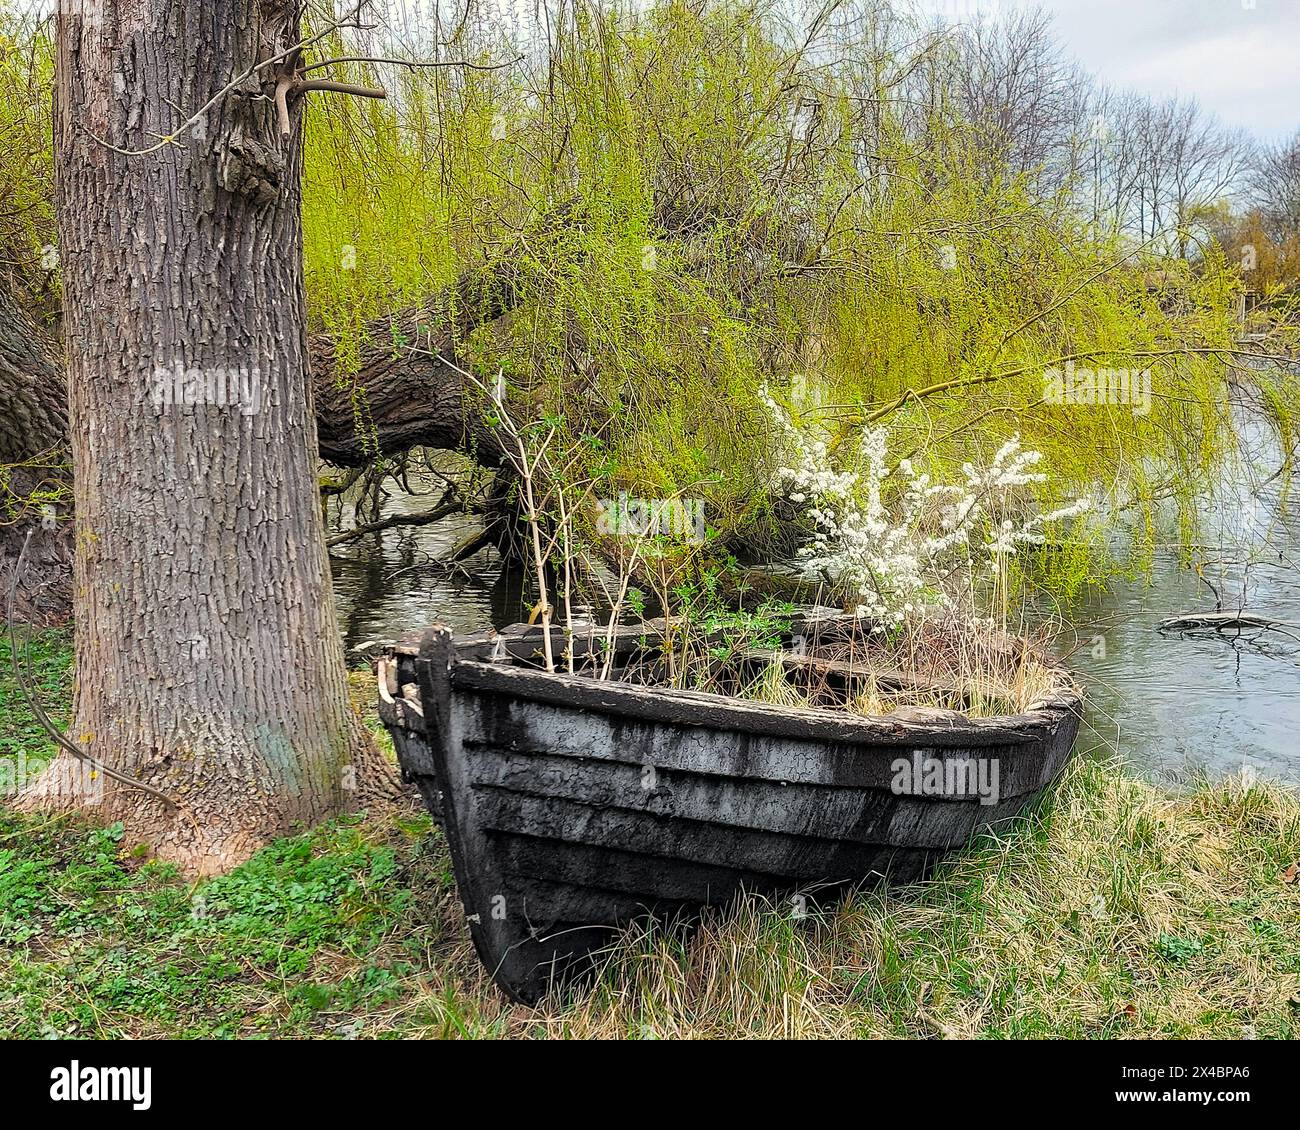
(1056, 304)
(864, 418)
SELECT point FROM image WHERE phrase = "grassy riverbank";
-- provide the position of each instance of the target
(1119, 910)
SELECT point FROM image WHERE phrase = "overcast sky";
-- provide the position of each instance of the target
(1240, 58)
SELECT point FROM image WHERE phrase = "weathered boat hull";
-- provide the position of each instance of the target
(572, 806)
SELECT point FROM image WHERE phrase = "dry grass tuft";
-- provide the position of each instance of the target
(1118, 911)
(954, 664)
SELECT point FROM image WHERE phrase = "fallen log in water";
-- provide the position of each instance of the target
(1222, 622)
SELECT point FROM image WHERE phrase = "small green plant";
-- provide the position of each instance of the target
(1172, 947)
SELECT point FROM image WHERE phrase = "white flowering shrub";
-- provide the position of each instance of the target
(924, 549)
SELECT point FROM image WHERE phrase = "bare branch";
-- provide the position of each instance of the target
(451, 503)
(173, 138)
(413, 63)
(339, 87)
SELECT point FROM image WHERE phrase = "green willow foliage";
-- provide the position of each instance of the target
(26, 155)
(745, 203)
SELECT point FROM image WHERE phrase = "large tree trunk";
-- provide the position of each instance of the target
(396, 401)
(209, 662)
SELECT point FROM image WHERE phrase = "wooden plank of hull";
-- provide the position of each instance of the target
(867, 818)
(533, 729)
(650, 880)
(573, 807)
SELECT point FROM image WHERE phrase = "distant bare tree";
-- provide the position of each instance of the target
(1160, 166)
(1204, 160)
(1275, 188)
(1113, 159)
(1021, 93)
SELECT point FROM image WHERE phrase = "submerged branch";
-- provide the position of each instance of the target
(451, 503)
(1223, 621)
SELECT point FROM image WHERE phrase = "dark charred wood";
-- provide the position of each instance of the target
(574, 805)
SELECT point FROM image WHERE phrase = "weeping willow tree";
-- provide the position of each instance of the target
(26, 155)
(747, 201)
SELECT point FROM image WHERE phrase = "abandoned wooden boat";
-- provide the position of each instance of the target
(574, 804)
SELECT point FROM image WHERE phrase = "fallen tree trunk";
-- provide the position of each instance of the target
(399, 397)
(44, 593)
(33, 468)
(33, 395)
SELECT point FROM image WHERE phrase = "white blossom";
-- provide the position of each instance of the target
(899, 560)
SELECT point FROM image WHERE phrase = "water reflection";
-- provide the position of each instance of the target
(393, 582)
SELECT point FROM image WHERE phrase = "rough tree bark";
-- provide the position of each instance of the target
(32, 388)
(33, 433)
(209, 663)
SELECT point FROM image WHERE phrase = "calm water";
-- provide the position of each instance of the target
(1211, 703)
(390, 583)
(1173, 706)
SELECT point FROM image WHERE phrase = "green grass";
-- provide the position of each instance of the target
(1118, 910)
(48, 656)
